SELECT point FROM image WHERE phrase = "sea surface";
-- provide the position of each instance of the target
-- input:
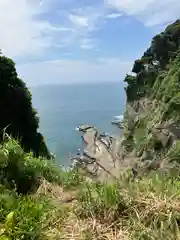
(63, 107)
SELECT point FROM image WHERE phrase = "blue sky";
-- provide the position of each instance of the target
(72, 41)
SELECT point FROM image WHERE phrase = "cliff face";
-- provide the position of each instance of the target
(152, 117)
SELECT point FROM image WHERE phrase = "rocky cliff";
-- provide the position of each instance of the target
(152, 117)
(151, 123)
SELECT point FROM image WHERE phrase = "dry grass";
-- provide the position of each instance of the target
(149, 214)
(86, 229)
(56, 192)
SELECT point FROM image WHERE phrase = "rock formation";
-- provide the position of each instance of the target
(151, 121)
(103, 155)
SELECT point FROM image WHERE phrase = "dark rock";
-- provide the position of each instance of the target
(147, 155)
(163, 136)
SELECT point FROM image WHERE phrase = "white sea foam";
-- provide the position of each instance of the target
(77, 129)
(118, 118)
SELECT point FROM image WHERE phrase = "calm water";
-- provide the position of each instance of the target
(63, 107)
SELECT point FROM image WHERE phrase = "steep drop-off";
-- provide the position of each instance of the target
(152, 117)
(151, 139)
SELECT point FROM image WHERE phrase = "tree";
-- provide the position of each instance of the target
(157, 58)
(17, 114)
(130, 79)
(138, 66)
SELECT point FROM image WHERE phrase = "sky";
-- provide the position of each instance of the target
(80, 41)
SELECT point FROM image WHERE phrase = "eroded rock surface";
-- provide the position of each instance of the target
(103, 154)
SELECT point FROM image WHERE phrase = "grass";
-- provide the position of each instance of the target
(66, 206)
(101, 201)
(144, 209)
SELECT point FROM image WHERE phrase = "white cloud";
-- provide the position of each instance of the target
(74, 71)
(79, 21)
(114, 15)
(150, 12)
(88, 18)
(19, 33)
(130, 6)
(84, 21)
(87, 44)
(22, 33)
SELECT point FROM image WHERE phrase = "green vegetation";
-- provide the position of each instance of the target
(155, 62)
(154, 95)
(66, 206)
(41, 201)
(22, 210)
(23, 171)
(19, 119)
(140, 210)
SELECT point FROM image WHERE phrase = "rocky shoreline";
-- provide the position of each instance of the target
(103, 155)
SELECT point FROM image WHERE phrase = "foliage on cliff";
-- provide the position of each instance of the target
(18, 117)
(152, 116)
(154, 63)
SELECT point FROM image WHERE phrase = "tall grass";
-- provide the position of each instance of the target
(146, 208)
(102, 201)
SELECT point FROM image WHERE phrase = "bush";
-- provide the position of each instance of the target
(22, 217)
(14, 169)
(23, 171)
(54, 174)
(7, 202)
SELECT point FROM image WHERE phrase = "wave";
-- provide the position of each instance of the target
(118, 118)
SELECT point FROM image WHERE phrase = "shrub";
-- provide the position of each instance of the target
(23, 171)
(22, 217)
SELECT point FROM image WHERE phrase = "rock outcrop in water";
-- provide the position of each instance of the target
(103, 156)
(99, 153)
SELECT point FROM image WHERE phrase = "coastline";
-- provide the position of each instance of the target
(103, 156)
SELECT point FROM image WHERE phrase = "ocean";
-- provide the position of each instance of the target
(64, 107)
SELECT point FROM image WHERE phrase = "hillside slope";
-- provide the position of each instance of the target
(152, 117)
(66, 206)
